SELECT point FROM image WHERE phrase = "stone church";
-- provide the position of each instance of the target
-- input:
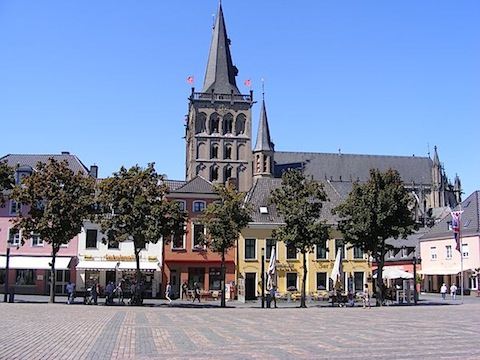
(219, 143)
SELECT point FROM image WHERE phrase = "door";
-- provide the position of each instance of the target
(175, 283)
(250, 286)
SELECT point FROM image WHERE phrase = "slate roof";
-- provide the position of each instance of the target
(31, 160)
(174, 184)
(352, 167)
(470, 224)
(198, 185)
(264, 143)
(221, 72)
(260, 193)
(412, 241)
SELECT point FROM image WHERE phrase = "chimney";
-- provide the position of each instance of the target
(94, 171)
(65, 152)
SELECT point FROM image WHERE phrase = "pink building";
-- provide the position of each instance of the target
(29, 263)
(441, 262)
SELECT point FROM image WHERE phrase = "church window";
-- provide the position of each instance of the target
(202, 150)
(228, 151)
(240, 124)
(200, 124)
(214, 153)
(214, 123)
(214, 173)
(241, 152)
(227, 124)
(228, 172)
(265, 163)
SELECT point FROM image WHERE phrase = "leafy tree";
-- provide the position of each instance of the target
(58, 201)
(6, 180)
(299, 201)
(223, 222)
(373, 212)
(133, 206)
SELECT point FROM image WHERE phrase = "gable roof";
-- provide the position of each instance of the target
(198, 185)
(31, 160)
(174, 184)
(352, 167)
(470, 220)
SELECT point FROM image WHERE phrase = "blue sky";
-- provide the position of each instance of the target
(106, 80)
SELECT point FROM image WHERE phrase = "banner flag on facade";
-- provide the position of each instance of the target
(337, 267)
(456, 225)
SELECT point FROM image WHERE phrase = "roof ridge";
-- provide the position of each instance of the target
(349, 154)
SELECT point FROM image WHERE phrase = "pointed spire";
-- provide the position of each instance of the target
(263, 135)
(220, 74)
(436, 160)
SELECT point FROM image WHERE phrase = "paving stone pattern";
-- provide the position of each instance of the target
(58, 331)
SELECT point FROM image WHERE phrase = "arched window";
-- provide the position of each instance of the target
(228, 172)
(200, 123)
(241, 152)
(214, 173)
(202, 150)
(240, 124)
(228, 151)
(214, 151)
(227, 124)
(257, 162)
(214, 123)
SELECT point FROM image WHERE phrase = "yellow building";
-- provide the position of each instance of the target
(257, 239)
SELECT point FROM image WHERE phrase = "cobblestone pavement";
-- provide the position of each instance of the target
(59, 331)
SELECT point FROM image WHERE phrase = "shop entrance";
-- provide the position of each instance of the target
(175, 283)
(250, 285)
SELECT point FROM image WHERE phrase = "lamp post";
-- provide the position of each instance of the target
(415, 295)
(263, 277)
(7, 268)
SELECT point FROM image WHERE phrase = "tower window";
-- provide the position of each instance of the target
(214, 123)
(228, 172)
(214, 153)
(228, 151)
(227, 124)
(214, 173)
(240, 124)
(200, 124)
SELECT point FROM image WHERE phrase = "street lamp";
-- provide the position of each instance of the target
(263, 277)
(7, 268)
(415, 295)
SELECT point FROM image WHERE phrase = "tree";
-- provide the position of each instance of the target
(223, 222)
(133, 207)
(299, 201)
(6, 180)
(373, 212)
(58, 201)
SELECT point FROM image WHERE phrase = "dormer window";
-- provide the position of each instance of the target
(22, 172)
(263, 210)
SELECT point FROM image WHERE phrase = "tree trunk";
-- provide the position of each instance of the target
(138, 277)
(304, 280)
(222, 281)
(380, 287)
(52, 276)
(163, 284)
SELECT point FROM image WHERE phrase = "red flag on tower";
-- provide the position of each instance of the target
(190, 79)
(248, 83)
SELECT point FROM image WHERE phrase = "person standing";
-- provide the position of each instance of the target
(70, 291)
(95, 291)
(119, 291)
(185, 290)
(453, 291)
(168, 292)
(443, 291)
(366, 297)
(273, 298)
(196, 291)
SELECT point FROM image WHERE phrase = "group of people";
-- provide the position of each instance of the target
(444, 291)
(196, 292)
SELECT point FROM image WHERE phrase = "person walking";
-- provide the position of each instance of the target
(119, 291)
(366, 297)
(70, 292)
(453, 291)
(443, 291)
(273, 298)
(196, 291)
(185, 290)
(168, 292)
(95, 291)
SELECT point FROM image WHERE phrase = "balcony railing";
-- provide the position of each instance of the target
(222, 97)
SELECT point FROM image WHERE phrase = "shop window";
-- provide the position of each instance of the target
(25, 277)
(321, 252)
(214, 279)
(292, 282)
(2, 276)
(196, 275)
(291, 252)
(250, 245)
(91, 242)
(358, 281)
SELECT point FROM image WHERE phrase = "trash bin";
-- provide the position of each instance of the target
(11, 295)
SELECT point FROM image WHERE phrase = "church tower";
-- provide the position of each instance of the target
(264, 149)
(218, 134)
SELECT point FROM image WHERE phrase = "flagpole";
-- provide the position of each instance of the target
(461, 251)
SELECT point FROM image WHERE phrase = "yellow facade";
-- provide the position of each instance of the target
(356, 269)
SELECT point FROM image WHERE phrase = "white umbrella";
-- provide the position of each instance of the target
(394, 273)
(336, 267)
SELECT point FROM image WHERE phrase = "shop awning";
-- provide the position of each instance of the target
(144, 265)
(452, 271)
(35, 262)
(96, 265)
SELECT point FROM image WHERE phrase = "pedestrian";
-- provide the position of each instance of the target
(70, 287)
(109, 289)
(119, 291)
(453, 291)
(168, 292)
(185, 290)
(366, 297)
(95, 291)
(443, 291)
(196, 291)
(273, 298)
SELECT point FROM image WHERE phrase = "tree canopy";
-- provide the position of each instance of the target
(373, 212)
(133, 206)
(299, 201)
(6, 180)
(55, 202)
(223, 220)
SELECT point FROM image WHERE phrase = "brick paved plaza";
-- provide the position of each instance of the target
(59, 331)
